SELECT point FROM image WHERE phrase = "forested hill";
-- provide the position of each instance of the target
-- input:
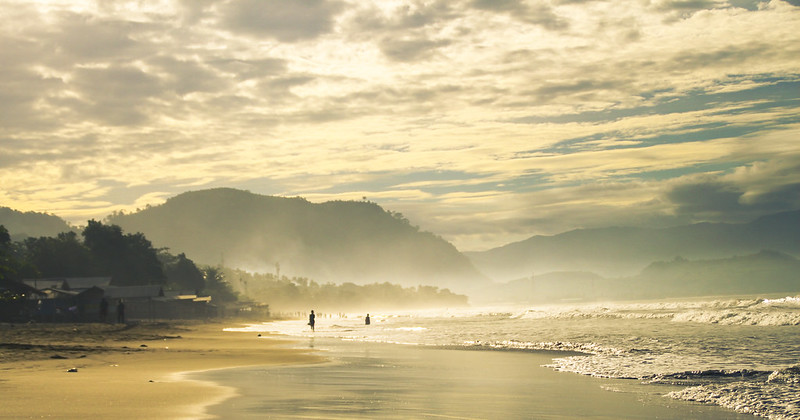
(624, 251)
(337, 241)
(31, 224)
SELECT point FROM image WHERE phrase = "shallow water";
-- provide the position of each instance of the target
(740, 353)
(375, 380)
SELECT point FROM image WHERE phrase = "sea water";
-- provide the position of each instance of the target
(739, 353)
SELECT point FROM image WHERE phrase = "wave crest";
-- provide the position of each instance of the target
(760, 312)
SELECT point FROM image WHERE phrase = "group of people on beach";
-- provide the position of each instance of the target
(120, 311)
(312, 320)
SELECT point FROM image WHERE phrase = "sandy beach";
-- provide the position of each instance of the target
(124, 372)
(194, 371)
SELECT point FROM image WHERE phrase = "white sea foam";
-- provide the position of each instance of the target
(770, 398)
(776, 312)
(411, 329)
(740, 317)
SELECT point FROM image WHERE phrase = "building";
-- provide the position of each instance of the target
(94, 299)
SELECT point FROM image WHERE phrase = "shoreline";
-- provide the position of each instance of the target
(201, 370)
(381, 380)
(127, 371)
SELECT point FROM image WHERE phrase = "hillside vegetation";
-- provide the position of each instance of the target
(341, 241)
(300, 294)
(32, 224)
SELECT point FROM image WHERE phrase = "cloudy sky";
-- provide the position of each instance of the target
(484, 121)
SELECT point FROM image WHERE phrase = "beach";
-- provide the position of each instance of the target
(125, 371)
(192, 371)
(390, 381)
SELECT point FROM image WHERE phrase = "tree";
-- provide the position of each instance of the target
(60, 256)
(182, 273)
(130, 259)
(216, 286)
(6, 263)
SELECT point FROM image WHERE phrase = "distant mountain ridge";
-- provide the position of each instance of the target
(768, 272)
(336, 241)
(623, 251)
(360, 242)
(31, 224)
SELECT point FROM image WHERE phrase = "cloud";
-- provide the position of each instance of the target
(682, 5)
(117, 95)
(484, 121)
(410, 49)
(703, 199)
(403, 17)
(742, 194)
(246, 69)
(84, 37)
(537, 14)
(187, 75)
(195, 10)
(20, 93)
(280, 20)
(725, 57)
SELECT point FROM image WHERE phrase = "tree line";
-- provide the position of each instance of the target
(299, 293)
(103, 250)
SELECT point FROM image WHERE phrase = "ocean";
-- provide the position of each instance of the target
(741, 353)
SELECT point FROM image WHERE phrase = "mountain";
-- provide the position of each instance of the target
(545, 288)
(624, 251)
(766, 272)
(340, 241)
(30, 224)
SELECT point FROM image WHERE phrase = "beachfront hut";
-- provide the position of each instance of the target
(63, 298)
(77, 284)
(133, 292)
(78, 299)
(81, 284)
(17, 301)
(138, 299)
(149, 302)
(42, 284)
(17, 290)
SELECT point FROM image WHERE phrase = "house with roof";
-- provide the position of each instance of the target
(93, 299)
(17, 300)
(149, 302)
(77, 284)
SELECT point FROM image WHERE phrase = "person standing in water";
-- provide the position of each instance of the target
(311, 319)
(366, 320)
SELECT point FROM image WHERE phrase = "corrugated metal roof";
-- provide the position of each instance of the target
(133, 292)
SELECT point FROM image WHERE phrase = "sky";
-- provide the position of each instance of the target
(483, 121)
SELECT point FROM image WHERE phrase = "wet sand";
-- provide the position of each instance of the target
(124, 372)
(368, 380)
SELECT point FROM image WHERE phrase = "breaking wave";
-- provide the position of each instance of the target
(775, 395)
(763, 312)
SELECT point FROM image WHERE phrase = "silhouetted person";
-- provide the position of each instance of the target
(121, 312)
(366, 320)
(312, 319)
(103, 310)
